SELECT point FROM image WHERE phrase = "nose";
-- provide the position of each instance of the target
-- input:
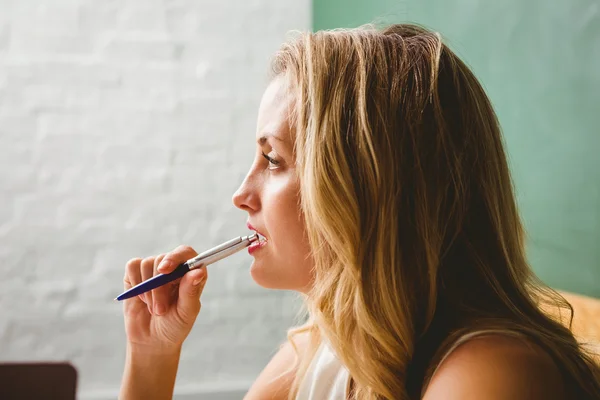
(246, 197)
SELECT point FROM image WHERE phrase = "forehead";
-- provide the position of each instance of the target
(275, 107)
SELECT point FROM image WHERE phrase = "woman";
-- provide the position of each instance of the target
(382, 188)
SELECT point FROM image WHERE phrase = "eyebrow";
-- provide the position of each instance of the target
(263, 139)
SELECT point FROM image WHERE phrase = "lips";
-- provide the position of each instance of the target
(259, 244)
(261, 236)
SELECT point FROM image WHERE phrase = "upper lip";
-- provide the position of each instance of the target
(249, 225)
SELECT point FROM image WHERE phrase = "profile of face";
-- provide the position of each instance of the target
(270, 195)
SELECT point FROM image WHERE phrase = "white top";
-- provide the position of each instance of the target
(328, 379)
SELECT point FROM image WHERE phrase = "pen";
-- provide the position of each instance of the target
(207, 257)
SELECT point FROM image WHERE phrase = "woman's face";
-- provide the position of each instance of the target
(270, 195)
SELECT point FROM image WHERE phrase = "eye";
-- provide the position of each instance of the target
(273, 164)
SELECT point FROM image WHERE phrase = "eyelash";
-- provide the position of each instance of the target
(270, 160)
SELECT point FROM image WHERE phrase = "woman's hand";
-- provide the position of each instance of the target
(158, 322)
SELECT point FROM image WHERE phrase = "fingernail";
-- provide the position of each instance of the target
(199, 280)
(163, 265)
(159, 308)
(201, 277)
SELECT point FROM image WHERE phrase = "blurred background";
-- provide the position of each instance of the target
(126, 126)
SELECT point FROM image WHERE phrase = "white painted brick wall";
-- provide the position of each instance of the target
(125, 127)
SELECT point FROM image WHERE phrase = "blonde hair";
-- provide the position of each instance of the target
(409, 210)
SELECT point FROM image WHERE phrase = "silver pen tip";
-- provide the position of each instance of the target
(253, 237)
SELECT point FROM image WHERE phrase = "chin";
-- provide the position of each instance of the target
(267, 279)
(263, 278)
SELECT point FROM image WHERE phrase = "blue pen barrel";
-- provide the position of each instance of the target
(177, 273)
(155, 281)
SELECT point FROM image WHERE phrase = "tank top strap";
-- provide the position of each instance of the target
(461, 340)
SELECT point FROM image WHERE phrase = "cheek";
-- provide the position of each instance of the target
(282, 212)
(284, 222)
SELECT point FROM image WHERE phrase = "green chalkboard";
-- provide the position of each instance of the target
(539, 61)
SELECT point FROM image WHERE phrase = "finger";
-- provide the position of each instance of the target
(147, 271)
(161, 294)
(190, 289)
(132, 277)
(176, 257)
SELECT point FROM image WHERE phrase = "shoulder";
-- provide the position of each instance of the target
(275, 381)
(497, 366)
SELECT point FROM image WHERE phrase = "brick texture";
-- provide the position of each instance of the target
(125, 127)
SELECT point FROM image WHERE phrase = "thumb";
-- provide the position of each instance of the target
(190, 289)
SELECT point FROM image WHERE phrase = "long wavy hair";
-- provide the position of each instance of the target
(409, 210)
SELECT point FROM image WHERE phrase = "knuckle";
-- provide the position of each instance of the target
(185, 250)
(134, 262)
(132, 266)
(180, 254)
(147, 263)
(148, 260)
(190, 313)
